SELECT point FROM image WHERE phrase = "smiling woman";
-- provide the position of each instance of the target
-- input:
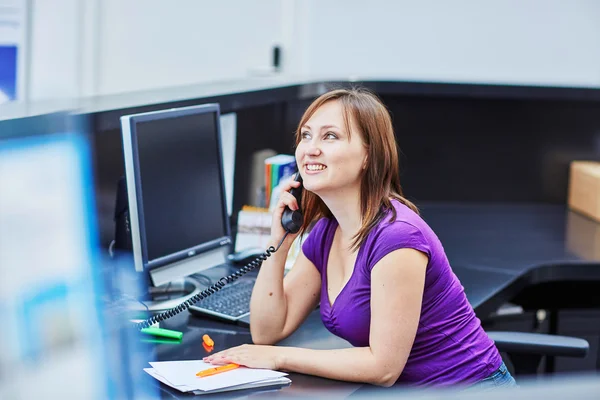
(378, 270)
(328, 158)
(333, 117)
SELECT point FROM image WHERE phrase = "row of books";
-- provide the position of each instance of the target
(254, 222)
(277, 168)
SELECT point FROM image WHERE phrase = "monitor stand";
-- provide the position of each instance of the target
(171, 294)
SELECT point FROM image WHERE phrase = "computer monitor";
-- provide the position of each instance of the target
(176, 192)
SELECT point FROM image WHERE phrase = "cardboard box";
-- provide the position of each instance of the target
(583, 236)
(584, 188)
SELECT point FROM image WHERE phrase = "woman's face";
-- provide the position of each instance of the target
(327, 159)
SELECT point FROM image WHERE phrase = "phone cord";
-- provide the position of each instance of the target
(212, 289)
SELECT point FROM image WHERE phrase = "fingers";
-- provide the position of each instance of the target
(225, 357)
(287, 199)
(219, 361)
(220, 354)
(218, 358)
(290, 184)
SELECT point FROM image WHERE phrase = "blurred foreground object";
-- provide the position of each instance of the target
(54, 342)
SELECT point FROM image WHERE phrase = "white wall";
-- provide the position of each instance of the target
(156, 43)
(87, 47)
(54, 49)
(552, 42)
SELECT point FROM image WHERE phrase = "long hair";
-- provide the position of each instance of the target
(380, 181)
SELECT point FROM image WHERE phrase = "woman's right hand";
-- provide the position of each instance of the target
(286, 199)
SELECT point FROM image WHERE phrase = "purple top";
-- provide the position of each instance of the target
(450, 346)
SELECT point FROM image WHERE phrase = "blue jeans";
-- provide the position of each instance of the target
(500, 378)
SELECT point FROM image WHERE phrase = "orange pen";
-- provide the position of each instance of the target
(216, 370)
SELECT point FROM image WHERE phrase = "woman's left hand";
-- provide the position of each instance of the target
(248, 355)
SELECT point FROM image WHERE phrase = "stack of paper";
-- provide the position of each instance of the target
(181, 375)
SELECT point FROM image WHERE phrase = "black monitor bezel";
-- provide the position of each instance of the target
(200, 248)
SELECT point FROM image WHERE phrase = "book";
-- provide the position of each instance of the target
(277, 168)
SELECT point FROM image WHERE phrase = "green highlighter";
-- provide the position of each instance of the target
(166, 333)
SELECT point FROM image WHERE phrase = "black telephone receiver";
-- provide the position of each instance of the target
(291, 222)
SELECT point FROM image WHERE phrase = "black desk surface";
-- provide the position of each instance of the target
(513, 238)
(495, 250)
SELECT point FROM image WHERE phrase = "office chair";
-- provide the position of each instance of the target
(525, 350)
(574, 295)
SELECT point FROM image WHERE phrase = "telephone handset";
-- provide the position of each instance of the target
(291, 222)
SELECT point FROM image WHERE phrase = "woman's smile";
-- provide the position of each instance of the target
(314, 168)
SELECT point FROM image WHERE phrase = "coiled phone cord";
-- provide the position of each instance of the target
(212, 289)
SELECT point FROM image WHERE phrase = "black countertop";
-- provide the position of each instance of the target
(513, 238)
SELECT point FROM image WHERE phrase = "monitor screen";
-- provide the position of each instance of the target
(180, 182)
(175, 181)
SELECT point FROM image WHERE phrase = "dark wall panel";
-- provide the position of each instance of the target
(453, 148)
(477, 149)
(492, 150)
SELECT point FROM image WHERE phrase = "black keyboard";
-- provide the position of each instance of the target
(230, 303)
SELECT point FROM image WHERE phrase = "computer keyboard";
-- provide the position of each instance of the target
(231, 303)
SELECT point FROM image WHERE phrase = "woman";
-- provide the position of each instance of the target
(379, 272)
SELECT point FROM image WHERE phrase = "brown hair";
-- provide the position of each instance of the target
(365, 112)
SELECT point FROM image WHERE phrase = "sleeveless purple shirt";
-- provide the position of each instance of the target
(450, 346)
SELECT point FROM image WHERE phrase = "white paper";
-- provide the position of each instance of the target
(186, 389)
(181, 388)
(254, 385)
(183, 373)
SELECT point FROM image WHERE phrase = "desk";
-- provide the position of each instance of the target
(496, 251)
(511, 238)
